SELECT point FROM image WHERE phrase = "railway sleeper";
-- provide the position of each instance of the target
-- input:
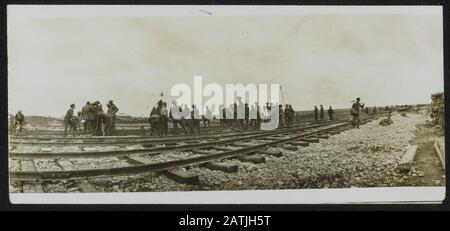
(182, 177)
(203, 151)
(86, 187)
(272, 152)
(132, 160)
(255, 159)
(322, 136)
(334, 132)
(221, 166)
(273, 138)
(32, 187)
(299, 143)
(224, 148)
(310, 140)
(289, 147)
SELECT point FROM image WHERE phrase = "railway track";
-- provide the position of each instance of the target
(146, 141)
(208, 153)
(124, 131)
(156, 147)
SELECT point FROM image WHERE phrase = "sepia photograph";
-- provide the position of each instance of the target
(205, 104)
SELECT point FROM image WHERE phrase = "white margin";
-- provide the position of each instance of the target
(302, 196)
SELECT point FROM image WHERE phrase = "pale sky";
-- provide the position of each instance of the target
(318, 58)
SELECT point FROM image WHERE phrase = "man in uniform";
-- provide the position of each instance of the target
(316, 113)
(280, 116)
(107, 120)
(235, 115)
(207, 117)
(178, 118)
(19, 119)
(195, 114)
(331, 113)
(322, 112)
(164, 120)
(187, 117)
(223, 116)
(98, 119)
(86, 112)
(230, 116)
(12, 123)
(252, 116)
(291, 115)
(355, 112)
(153, 121)
(155, 118)
(68, 119)
(112, 110)
(76, 121)
(258, 115)
(287, 115)
(247, 115)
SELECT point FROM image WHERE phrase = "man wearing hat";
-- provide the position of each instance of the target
(19, 119)
(331, 113)
(322, 113)
(87, 115)
(98, 119)
(356, 106)
(280, 116)
(112, 110)
(68, 118)
(316, 113)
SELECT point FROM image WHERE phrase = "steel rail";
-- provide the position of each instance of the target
(152, 140)
(46, 137)
(156, 167)
(151, 150)
(122, 132)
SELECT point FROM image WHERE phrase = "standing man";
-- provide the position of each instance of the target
(316, 113)
(331, 113)
(176, 115)
(112, 110)
(207, 117)
(85, 114)
(287, 114)
(355, 112)
(68, 119)
(12, 123)
(322, 112)
(19, 119)
(230, 116)
(280, 116)
(195, 114)
(187, 118)
(223, 116)
(107, 120)
(153, 121)
(247, 115)
(164, 120)
(98, 119)
(258, 116)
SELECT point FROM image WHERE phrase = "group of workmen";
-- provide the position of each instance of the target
(320, 112)
(238, 115)
(17, 120)
(95, 121)
(242, 116)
